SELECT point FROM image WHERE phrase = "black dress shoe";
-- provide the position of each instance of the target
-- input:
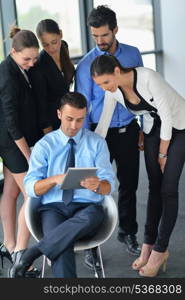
(33, 273)
(92, 260)
(131, 243)
(19, 266)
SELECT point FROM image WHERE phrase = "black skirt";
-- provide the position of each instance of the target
(13, 159)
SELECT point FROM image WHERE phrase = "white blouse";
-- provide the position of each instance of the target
(150, 85)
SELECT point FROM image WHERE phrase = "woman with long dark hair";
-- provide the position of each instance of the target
(144, 92)
(55, 65)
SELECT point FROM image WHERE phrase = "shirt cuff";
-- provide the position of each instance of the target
(30, 191)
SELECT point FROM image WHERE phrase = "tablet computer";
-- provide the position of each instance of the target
(75, 175)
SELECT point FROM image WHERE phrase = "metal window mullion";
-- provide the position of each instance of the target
(85, 6)
(157, 35)
(156, 52)
(8, 18)
(2, 28)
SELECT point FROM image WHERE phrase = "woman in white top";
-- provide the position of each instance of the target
(144, 92)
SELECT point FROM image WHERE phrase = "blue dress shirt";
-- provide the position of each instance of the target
(49, 156)
(128, 56)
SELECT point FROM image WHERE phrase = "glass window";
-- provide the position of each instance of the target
(149, 60)
(1, 45)
(135, 22)
(65, 13)
(1, 58)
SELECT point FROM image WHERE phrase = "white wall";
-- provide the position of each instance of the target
(173, 40)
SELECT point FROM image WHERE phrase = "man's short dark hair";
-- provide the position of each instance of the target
(73, 99)
(101, 16)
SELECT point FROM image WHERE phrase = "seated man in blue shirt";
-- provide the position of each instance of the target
(123, 129)
(64, 223)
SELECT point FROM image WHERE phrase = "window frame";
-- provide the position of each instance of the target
(88, 43)
(8, 15)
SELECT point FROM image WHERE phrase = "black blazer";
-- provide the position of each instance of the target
(22, 112)
(56, 85)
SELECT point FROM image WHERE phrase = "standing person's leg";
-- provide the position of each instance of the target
(8, 209)
(17, 164)
(127, 162)
(154, 204)
(169, 190)
(23, 234)
(112, 142)
(126, 155)
(169, 195)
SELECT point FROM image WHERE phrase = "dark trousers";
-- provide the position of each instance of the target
(162, 207)
(62, 226)
(123, 148)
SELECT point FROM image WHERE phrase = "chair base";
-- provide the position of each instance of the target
(98, 272)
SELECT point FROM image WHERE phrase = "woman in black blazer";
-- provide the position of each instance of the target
(55, 65)
(22, 122)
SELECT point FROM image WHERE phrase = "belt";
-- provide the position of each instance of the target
(120, 129)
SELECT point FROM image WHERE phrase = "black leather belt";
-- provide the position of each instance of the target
(120, 129)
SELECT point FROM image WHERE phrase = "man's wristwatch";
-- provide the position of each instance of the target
(161, 155)
(97, 190)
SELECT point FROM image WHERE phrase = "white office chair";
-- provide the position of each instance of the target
(111, 215)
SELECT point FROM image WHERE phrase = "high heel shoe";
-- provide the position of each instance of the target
(4, 253)
(148, 271)
(138, 263)
(143, 258)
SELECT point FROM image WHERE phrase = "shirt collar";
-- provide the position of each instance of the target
(66, 138)
(117, 52)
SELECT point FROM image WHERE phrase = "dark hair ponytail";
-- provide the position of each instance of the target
(50, 26)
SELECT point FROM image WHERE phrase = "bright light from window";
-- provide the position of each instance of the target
(135, 22)
(1, 45)
(65, 13)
